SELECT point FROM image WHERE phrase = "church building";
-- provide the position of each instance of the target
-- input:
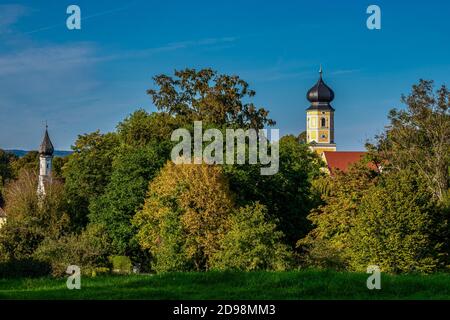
(320, 117)
(320, 128)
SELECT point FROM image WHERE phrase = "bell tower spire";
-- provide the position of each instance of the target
(320, 117)
(45, 162)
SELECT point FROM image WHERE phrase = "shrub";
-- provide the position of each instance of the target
(253, 243)
(89, 250)
(120, 264)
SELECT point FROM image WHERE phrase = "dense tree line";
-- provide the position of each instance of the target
(118, 194)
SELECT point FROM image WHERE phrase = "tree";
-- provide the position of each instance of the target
(418, 138)
(142, 128)
(30, 161)
(144, 148)
(208, 96)
(58, 165)
(31, 218)
(253, 243)
(327, 244)
(133, 169)
(6, 171)
(88, 172)
(302, 137)
(89, 250)
(397, 227)
(287, 194)
(185, 215)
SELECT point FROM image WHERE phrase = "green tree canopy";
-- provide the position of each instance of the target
(88, 172)
(287, 194)
(142, 128)
(253, 243)
(30, 161)
(208, 96)
(327, 244)
(398, 227)
(133, 169)
(6, 171)
(418, 137)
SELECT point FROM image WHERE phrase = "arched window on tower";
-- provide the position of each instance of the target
(323, 122)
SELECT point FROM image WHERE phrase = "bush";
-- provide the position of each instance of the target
(120, 264)
(253, 243)
(89, 250)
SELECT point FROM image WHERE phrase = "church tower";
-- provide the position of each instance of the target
(45, 162)
(320, 117)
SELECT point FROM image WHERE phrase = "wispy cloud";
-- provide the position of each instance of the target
(37, 82)
(60, 82)
(9, 15)
(174, 46)
(46, 59)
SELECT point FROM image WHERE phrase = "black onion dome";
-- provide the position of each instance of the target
(320, 95)
(46, 147)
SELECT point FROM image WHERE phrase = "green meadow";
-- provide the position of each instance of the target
(295, 285)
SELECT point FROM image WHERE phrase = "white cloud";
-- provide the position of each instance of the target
(46, 59)
(37, 82)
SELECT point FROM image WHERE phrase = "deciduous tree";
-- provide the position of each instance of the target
(398, 227)
(185, 216)
(418, 137)
(208, 96)
(88, 172)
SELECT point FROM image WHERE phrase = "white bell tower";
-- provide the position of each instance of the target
(45, 162)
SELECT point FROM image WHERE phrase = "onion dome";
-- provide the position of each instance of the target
(320, 95)
(46, 148)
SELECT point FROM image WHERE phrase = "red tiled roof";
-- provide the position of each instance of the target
(342, 159)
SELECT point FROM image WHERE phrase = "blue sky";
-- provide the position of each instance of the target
(89, 79)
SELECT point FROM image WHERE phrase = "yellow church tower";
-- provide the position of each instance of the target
(320, 117)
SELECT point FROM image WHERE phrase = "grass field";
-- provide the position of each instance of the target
(309, 284)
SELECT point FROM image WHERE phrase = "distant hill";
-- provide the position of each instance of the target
(57, 153)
